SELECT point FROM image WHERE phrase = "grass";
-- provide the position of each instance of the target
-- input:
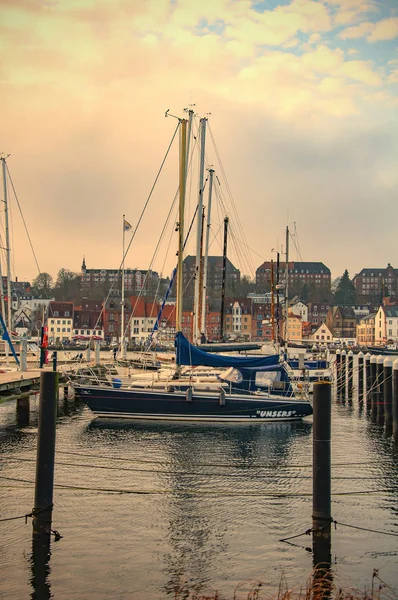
(319, 586)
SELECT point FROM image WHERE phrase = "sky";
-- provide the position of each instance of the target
(302, 106)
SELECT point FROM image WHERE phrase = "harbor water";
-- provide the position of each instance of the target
(161, 510)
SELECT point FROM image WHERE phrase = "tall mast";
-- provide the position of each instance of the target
(207, 243)
(182, 187)
(272, 302)
(287, 287)
(277, 299)
(196, 332)
(200, 322)
(189, 133)
(122, 344)
(8, 247)
(224, 270)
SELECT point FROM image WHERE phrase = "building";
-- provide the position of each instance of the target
(294, 328)
(135, 280)
(300, 309)
(303, 277)
(317, 312)
(60, 322)
(88, 320)
(238, 318)
(386, 325)
(340, 320)
(371, 285)
(366, 330)
(112, 320)
(322, 335)
(214, 278)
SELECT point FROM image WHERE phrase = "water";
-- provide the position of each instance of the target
(214, 502)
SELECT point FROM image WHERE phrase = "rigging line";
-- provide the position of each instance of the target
(227, 186)
(219, 493)
(363, 528)
(298, 245)
(199, 474)
(23, 218)
(139, 221)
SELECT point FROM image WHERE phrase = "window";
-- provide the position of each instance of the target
(56, 313)
(67, 314)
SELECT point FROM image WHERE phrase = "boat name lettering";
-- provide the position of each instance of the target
(276, 413)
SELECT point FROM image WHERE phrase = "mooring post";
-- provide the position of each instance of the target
(350, 368)
(42, 511)
(395, 401)
(97, 353)
(54, 360)
(321, 474)
(343, 374)
(368, 356)
(23, 410)
(338, 372)
(24, 354)
(360, 377)
(372, 388)
(88, 354)
(380, 389)
(387, 392)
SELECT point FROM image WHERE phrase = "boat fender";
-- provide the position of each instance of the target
(221, 397)
(188, 395)
(117, 383)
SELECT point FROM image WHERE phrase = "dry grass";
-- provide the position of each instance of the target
(319, 586)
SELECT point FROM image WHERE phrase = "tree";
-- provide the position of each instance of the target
(345, 291)
(67, 286)
(42, 285)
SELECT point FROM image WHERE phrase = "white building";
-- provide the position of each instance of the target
(60, 322)
(322, 335)
(300, 310)
(386, 324)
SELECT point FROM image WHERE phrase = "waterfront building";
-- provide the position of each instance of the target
(322, 334)
(300, 309)
(372, 284)
(341, 322)
(135, 280)
(294, 328)
(386, 325)
(304, 277)
(112, 318)
(60, 322)
(214, 278)
(238, 318)
(317, 312)
(88, 319)
(366, 330)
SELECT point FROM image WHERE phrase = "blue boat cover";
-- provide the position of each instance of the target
(187, 354)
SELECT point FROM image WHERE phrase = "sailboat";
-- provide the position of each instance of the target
(250, 389)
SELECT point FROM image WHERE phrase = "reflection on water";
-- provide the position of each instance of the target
(204, 505)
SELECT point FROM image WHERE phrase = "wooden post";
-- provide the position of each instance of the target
(343, 374)
(338, 373)
(321, 473)
(387, 392)
(350, 375)
(360, 377)
(379, 390)
(372, 388)
(44, 484)
(395, 401)
(368, 356)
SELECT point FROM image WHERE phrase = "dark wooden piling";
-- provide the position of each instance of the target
(44, 484)
(372, 388)
(23, 410)
(343, 385)
(380, 390)
(395, 401)
(360, 376)
(321, 472)
(387, 392)
(350, 374)
(368, 378)
(338, 373)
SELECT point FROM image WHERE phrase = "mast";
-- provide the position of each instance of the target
(182, 187)
(196, 332)
(207, 243)
(224, 269)
(286, 288)
(272, 302)
(200, 322)
(122, 344)
(9, 317)
(277, 299)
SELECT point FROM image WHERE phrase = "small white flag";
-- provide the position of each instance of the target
(126, 225)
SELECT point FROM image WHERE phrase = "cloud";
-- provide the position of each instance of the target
(387, 29)
(356, 32)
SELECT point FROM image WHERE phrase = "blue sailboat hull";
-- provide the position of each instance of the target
(108, 402)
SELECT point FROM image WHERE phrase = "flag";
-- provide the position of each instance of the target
(126, 225)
